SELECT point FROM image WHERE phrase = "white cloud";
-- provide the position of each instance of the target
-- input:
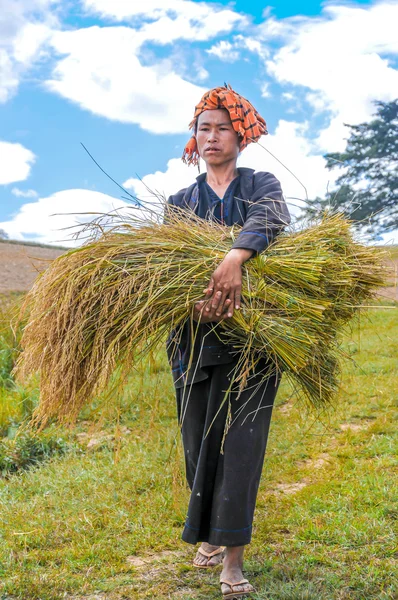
(166, 30)
(231, 51)
(251, 44)
(8, 77)
(294, 161)
(201, 73)
(265, 93)
(171, 20)
(46, 219)
(103, 74)
(341, 58)
(120, 9)
(388, 239)
(24, 193)
(177, 176)
(206, 17)
(25, 26)
(15, 162)
(106, 70)
(224, 50)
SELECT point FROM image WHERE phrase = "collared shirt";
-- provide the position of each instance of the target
(219, 208)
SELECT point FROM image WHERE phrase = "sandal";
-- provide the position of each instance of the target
(233, 594)
(209, 555)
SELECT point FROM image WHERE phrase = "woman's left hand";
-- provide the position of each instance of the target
(226, 283)
(209, 317)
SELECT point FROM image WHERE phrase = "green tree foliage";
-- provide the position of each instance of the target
(368, 188)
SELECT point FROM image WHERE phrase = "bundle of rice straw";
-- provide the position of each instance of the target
(107, 304)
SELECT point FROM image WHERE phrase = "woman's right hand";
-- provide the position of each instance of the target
(202, 316)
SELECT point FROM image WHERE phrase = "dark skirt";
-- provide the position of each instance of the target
(224, 485)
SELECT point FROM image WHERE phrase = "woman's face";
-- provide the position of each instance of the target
(217, 140)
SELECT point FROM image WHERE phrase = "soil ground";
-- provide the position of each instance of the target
(392, 292)
(20, 264)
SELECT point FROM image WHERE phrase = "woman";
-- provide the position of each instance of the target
(224, 474)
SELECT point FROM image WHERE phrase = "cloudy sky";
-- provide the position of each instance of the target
(123, 77)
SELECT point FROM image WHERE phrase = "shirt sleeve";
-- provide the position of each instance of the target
(171, 201)
(166, 208)
(176, 200)
(267, 214)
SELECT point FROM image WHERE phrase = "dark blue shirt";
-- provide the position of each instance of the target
(254, 201)
(218, 208)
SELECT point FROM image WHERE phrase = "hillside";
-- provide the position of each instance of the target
(20, 264)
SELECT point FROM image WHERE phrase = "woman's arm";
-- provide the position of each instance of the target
(267, 215)
(223, 293)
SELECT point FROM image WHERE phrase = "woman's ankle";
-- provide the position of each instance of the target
(208, 547)
(234, 556)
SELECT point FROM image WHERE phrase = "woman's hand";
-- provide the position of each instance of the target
(210, 316)
(226, 284)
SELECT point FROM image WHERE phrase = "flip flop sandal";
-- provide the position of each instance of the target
(233, 594)
(209, 555)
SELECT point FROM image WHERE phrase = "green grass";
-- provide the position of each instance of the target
(104, 520)
(19, 449)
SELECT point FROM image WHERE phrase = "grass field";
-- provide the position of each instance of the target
(102, 518)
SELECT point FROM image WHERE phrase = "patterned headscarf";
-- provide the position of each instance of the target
(246, 121)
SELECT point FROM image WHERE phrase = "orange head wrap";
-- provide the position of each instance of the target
(246, 121)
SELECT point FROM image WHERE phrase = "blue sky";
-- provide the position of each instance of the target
(124, 82)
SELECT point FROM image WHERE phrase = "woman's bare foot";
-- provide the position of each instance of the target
(201, 560)
(232, 573)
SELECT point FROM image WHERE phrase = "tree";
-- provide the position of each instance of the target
(368, 188)
(3, 235)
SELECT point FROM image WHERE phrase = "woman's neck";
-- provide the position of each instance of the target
(221, 175)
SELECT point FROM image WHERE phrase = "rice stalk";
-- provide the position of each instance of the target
(109, 303)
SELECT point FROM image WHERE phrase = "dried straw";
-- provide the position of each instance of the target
(105, 305)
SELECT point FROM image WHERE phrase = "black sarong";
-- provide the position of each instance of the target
(224, 486)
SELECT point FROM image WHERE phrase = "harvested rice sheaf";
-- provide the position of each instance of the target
(108, 303)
